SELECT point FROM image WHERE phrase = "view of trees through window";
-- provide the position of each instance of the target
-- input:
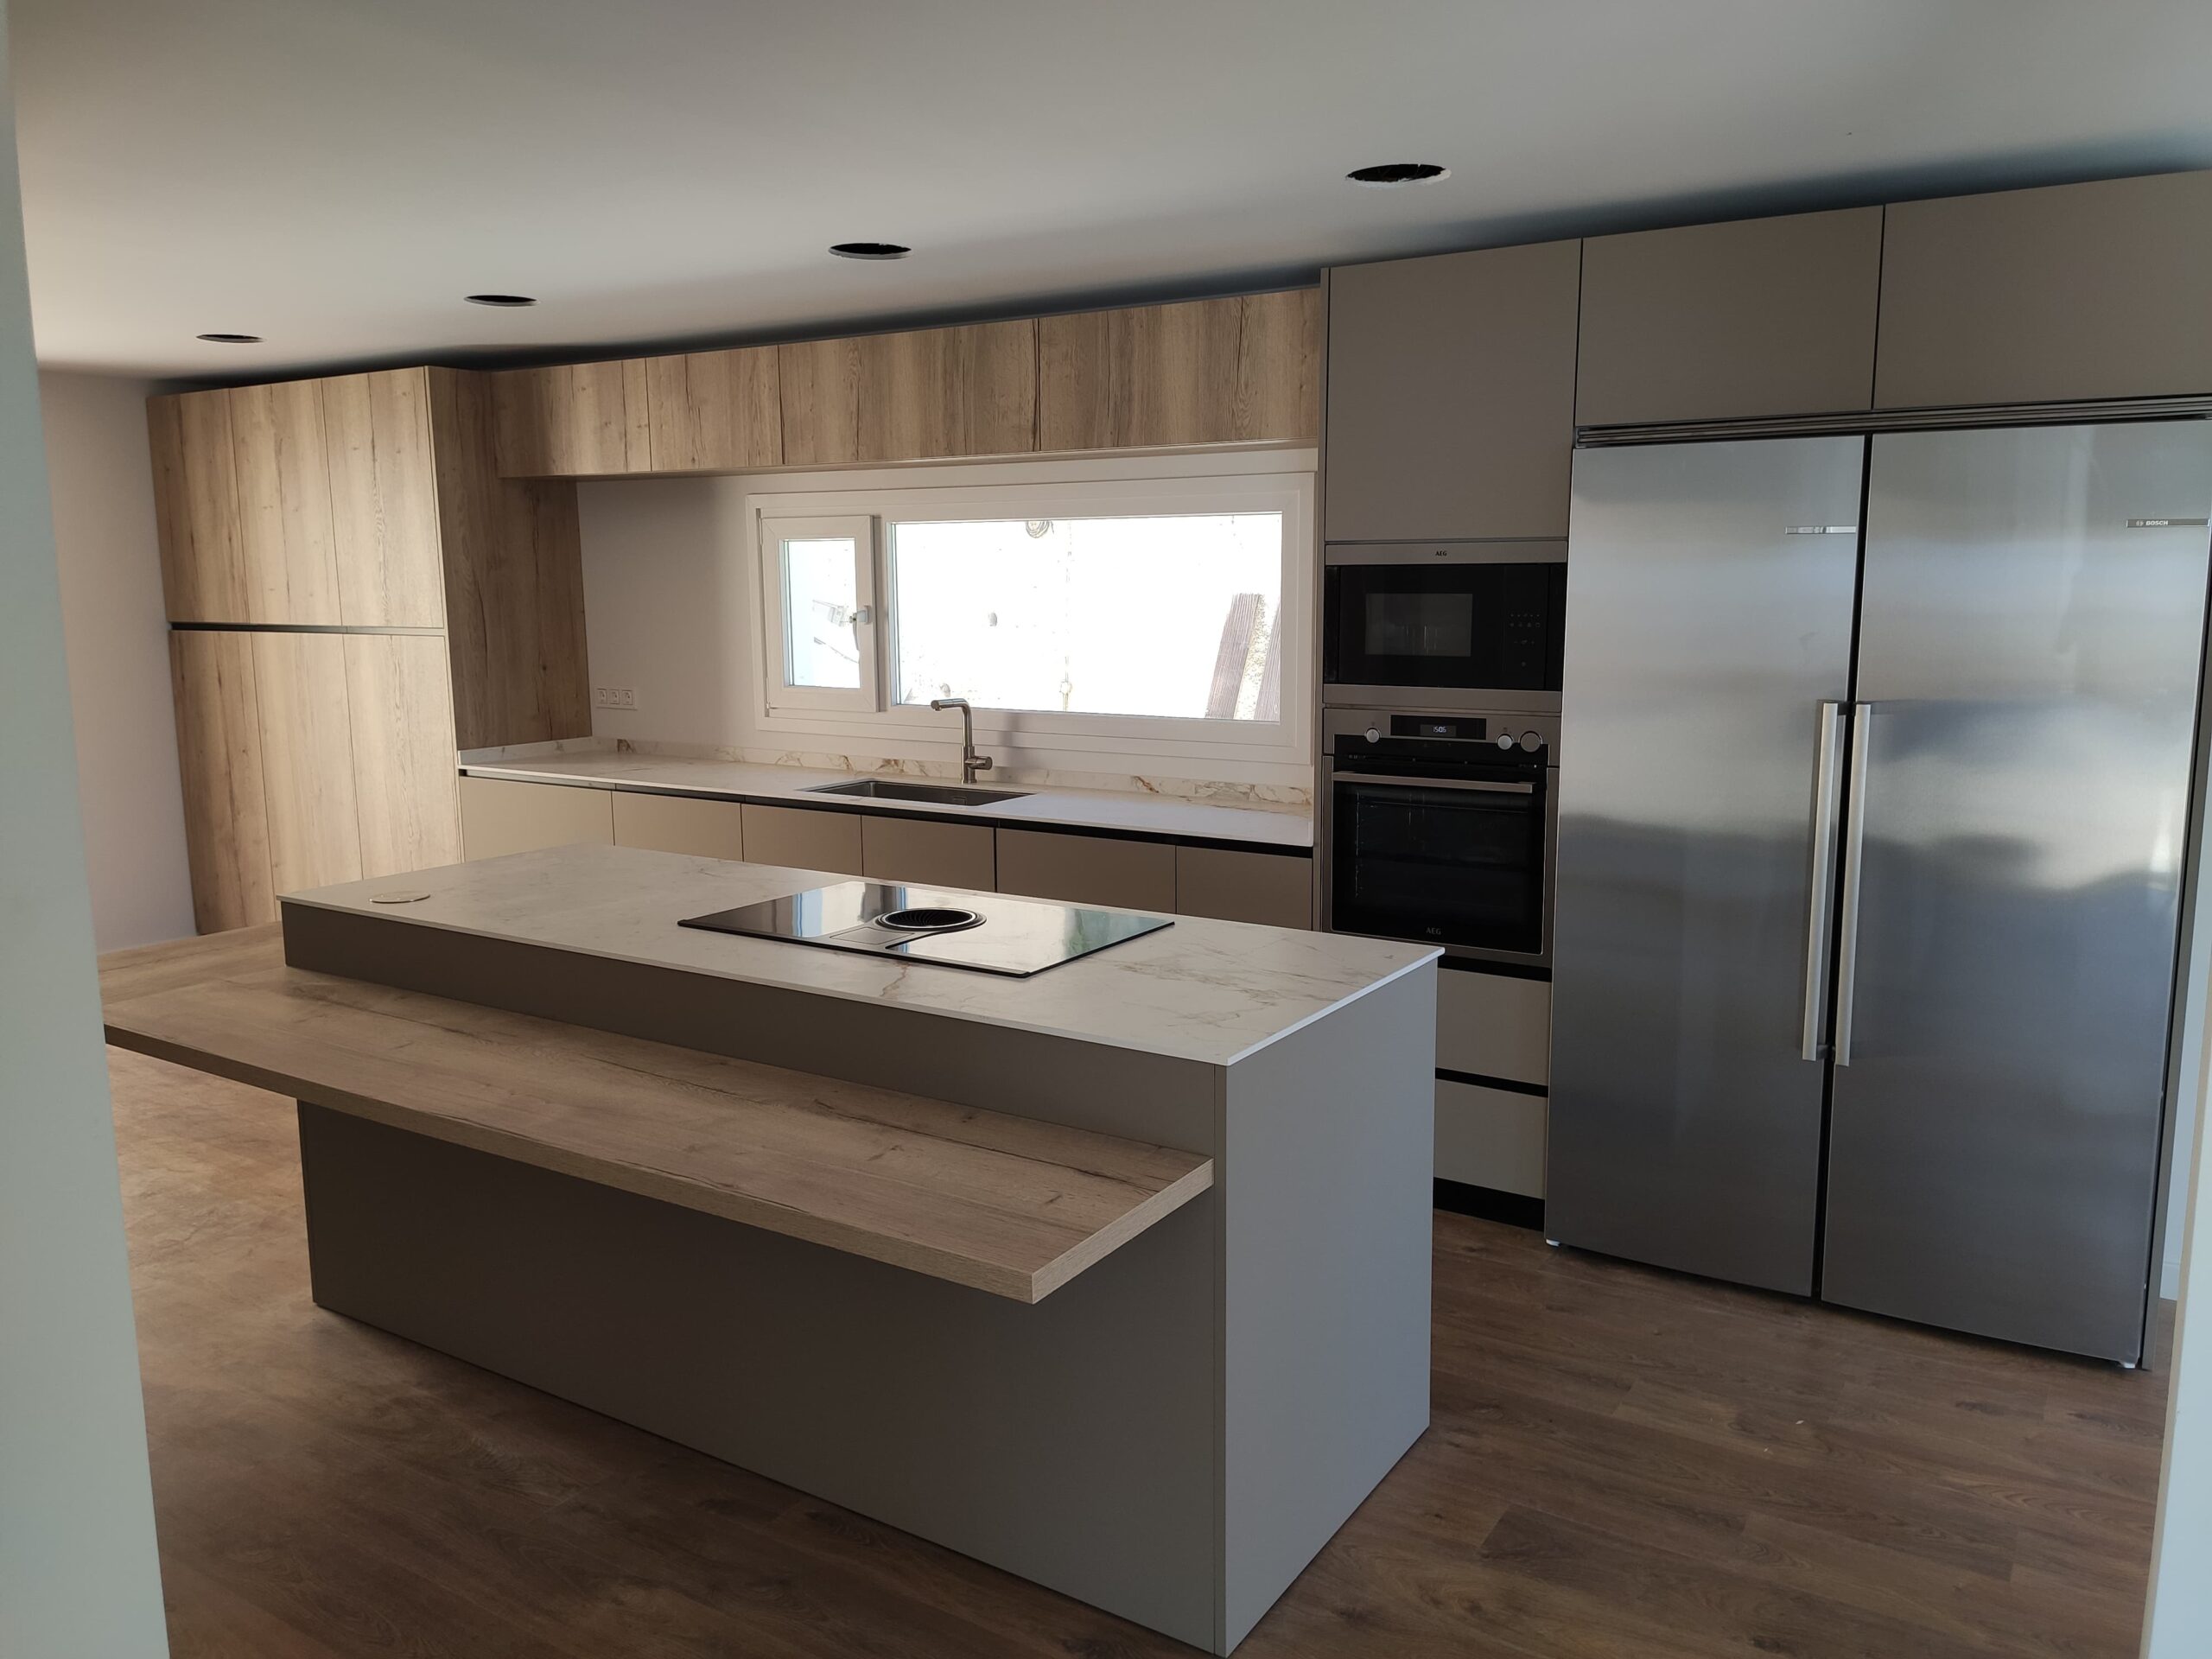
(1169, 615)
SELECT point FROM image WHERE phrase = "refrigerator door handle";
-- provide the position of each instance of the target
(1827, 789)
(1854, 839)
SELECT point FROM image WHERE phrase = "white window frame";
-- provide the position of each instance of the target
(1262, 481)
(774, 532)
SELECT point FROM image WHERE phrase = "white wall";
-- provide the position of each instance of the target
(78, 1575)
(114, 627)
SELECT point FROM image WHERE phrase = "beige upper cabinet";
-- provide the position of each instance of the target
(1234, 370)
(930, 394)
(2073, 291)
(383, 500)
(1735, 321)
(1450, 410)
(715, 411)
(574, 420)
(196, 507)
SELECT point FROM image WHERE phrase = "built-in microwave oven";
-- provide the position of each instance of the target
(1444, 624)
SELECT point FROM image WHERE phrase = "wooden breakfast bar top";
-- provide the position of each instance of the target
(1012, 1205)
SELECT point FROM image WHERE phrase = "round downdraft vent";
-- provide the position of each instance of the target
(870, 249)
(922, 918)
(1399, 172)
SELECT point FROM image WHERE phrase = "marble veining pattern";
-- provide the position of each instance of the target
(1200, 990)
(1282, 824)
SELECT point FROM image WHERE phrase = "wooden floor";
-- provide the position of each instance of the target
(1621, 1463)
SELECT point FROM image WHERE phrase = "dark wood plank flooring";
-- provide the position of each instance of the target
(1623, 1463)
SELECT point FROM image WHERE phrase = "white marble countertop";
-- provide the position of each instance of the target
(1042, 807)
(1201, 990)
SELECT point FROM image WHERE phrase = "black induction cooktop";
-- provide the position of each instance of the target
(986, 932)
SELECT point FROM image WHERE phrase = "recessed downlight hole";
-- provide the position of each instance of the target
(1388, 173)
(505, 301)
(231, 340)
(870, 249)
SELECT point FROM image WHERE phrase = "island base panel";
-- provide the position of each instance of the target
(1072, 1442)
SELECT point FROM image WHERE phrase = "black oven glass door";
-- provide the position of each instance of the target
(1494, 626)
(1458, 862)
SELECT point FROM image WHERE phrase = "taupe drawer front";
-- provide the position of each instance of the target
(1088, 869)
(2078, 290)
(500, 815)
(1490, 1137)
(927, 850)
(803, 839)
(1494, 1025)
(1270, 888)
(1763, 316)
(679, 823)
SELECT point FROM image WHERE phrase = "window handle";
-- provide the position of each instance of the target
(863, 616)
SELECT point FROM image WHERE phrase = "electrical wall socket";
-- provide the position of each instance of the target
(613, 696)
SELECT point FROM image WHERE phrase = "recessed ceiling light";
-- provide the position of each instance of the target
(870, 249)
(1399, 172)
(232, 340)
(507, 300)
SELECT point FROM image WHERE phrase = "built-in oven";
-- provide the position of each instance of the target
(1439, 825)
(1444, 624)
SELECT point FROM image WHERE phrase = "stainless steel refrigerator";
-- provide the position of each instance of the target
(1873, 830)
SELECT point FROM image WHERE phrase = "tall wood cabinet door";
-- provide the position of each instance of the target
(280, 456)
(928, 394)
(1088, 869)
(715, 411)
(1234, 371)
(383, 500)
(934, 851)
(1451, 409)
(2073, 291)
(306, 760)
(218, 760)
(801, 838)
(1763, 316)
(399, 710)
(196, 507)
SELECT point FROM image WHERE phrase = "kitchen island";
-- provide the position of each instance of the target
(1115, 1276)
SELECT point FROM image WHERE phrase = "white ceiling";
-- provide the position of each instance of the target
(335, 173)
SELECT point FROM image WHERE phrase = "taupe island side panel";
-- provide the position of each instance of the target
(1170, 1435)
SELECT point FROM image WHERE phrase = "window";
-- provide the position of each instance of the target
(1145, 616)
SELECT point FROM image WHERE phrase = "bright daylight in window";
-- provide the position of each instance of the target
(1168, 615)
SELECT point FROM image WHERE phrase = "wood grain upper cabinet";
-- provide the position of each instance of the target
(2074, 291)
(218, 760)
(930, 394)
(1763, 316)
(384, 502)
(1234, 371)
(573, 420)
(279, 458)
(196, 507)
(715, 411)
(1451, 409)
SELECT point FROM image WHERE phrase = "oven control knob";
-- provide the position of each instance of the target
(1374, 734)
(1506, 739)
(1532, 741)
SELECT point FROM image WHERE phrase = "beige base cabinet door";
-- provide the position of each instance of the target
(928, 851)
(1494, 1025)
(499, 816)
(679, 823)
(801, 838)
(1490, 1137)
(1088, 869)
(2072, 291)
(1736, 321)
(1451, 407)
(1275, 889)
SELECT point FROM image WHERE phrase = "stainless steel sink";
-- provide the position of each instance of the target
(892, 789)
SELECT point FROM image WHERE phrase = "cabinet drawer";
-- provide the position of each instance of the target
(929, 851)
(1088, 869)
(800, 838)
(499, 815)
(1272, 889)
(1494, 1025)
(1490, 1137)
(679, 823)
